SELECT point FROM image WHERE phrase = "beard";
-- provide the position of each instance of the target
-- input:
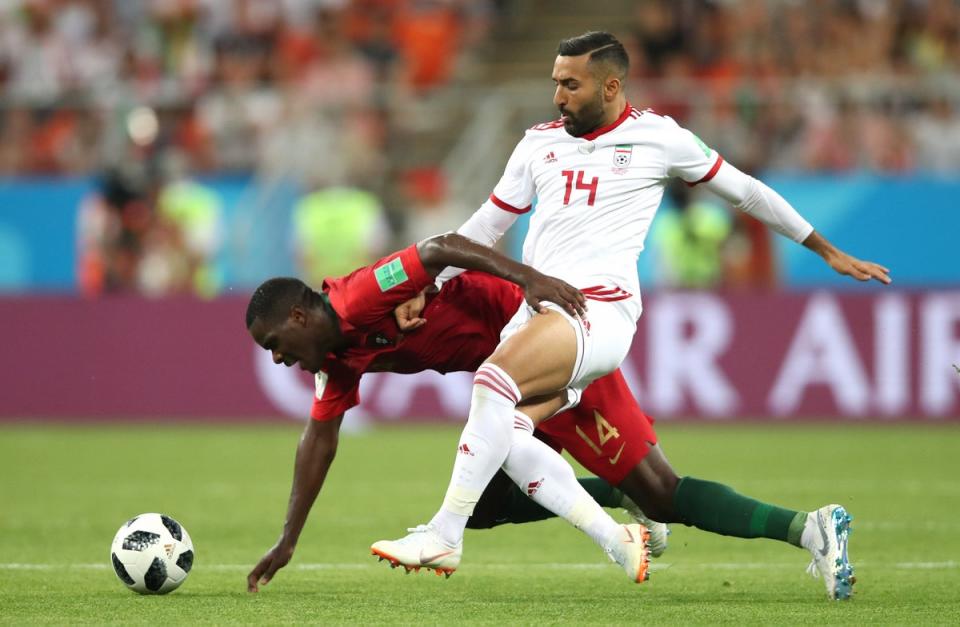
(588, 119)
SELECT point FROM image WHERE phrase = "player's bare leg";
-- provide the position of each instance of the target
(540, 357)
(537, 362)
(651, 484)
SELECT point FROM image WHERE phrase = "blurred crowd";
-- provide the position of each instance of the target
(149, 95)
(818, 85)
(233, 84)
(314, 90)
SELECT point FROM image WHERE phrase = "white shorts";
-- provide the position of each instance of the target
(603, 339)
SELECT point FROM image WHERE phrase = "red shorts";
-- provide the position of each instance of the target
(607, 432)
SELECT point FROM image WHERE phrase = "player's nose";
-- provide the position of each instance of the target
(558, 99)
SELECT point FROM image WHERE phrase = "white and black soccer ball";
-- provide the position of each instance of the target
(152, 554)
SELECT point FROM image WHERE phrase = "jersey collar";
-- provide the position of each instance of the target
(347, 330)
(609, 127)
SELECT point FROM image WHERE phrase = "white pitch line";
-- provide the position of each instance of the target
(948, 565)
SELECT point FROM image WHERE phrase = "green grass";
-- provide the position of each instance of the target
(65, 490)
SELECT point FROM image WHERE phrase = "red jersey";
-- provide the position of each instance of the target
(607, 432)
(465, 319)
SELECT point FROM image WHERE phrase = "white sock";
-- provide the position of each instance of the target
(483, 447)
(549, 480)
(808, 537)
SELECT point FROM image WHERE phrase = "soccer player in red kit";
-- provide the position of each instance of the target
(348, 329)
(607, 432)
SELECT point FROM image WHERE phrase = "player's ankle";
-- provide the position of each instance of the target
(448, 527)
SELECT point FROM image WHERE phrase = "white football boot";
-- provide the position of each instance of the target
(657, 543)
(421, 548)
(630, 551)
(825, 534)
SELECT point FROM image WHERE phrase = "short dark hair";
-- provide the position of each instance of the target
(274, 298)
(604, 49)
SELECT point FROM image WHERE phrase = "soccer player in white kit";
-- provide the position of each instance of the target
(598, 175)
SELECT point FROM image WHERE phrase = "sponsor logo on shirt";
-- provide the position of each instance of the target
(390, 274)
(550, 157)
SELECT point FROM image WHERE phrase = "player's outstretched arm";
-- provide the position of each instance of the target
(756, 198)
(452, 249)
(844, 263)
(315, 454)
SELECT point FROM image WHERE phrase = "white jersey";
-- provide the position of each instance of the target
(596, 195)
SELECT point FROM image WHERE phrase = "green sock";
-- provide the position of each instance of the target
(519, 508)
(719, 509)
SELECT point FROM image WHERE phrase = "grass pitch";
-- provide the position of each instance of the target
(65, 490)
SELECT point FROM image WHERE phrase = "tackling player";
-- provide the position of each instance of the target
(607, 432)
(348, 329)
(598, 174)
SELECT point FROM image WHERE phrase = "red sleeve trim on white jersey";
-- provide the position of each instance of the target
(508, 207)
(709, 175)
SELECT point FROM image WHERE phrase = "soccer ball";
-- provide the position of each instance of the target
(152, 554)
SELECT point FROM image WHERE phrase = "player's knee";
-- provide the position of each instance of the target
(492, 380)
(662, 491)
(652, 489)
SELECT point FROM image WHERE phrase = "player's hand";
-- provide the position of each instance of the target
(539, 287)
(275, 559)
(858, 269)
(408, 314)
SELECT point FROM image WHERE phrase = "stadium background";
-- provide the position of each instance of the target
(159, 158)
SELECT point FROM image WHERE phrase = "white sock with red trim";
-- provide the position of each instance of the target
(483, 446)
(549, 480)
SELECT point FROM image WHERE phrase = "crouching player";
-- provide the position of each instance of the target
(348, 329)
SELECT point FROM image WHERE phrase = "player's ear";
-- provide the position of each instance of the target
(611, 87)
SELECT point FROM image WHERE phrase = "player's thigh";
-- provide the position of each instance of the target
(540, 408)
(539, 354)
(607, 432)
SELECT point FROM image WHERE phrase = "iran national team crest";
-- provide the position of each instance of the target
(622, 154)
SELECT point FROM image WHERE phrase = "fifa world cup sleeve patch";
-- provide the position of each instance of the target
(390, 274)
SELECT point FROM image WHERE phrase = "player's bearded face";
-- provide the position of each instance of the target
(587, 118)
(579, 95)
